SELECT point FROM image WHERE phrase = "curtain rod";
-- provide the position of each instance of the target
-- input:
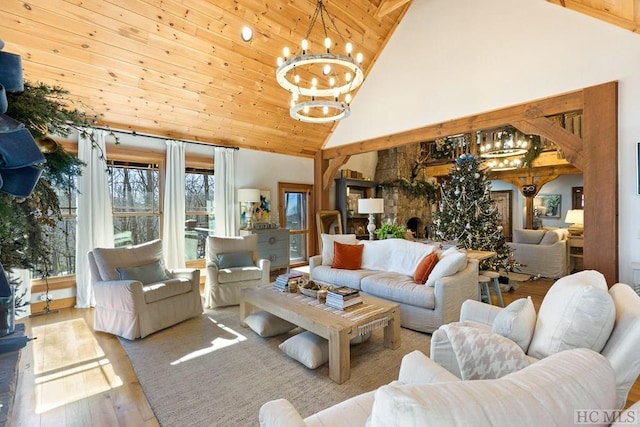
(134, 133)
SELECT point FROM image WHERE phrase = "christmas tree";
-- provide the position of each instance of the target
(468, 216)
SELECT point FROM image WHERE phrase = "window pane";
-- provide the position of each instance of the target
(295, 211)
(198, 192)
(133, 230)
(199, 213)
(298, 247)
(134, 189)
(198, 227)
(62, 238)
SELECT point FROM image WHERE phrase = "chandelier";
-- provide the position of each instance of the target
(505, 142)
(504, 163)
(320, 83)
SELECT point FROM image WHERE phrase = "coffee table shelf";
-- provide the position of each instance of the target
(337, 326)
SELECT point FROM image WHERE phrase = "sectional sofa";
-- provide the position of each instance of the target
(572, 387)
(387, 271)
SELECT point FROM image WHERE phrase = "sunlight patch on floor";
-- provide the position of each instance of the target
(74, 366)
(216, 344)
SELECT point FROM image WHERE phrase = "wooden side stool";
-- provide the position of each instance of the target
(492, 276)
(483, 288)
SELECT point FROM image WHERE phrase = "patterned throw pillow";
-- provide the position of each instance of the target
(347, 257)
(425, 268)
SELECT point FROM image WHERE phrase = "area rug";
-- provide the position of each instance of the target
(210, 371)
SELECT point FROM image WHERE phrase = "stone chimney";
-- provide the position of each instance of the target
(393, 165)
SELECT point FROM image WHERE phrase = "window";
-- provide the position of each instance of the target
(199, 211)
(135, 201)
(62, 236)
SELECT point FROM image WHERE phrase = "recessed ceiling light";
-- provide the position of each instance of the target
(247, 33)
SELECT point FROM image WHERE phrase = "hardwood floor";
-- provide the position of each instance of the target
(73, 376)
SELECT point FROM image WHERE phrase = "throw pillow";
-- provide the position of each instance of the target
(516, 322)
(425, 268)
(576, 312)
(147, 273)
(347, 257)
(235, 259)
(530, 237)
(327, 245)
(550, 237)
(447, 265)
(268, 325)
(307, 348)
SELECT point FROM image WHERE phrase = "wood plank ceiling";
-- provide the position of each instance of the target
(178, 68)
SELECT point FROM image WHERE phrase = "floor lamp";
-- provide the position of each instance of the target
(371, 207)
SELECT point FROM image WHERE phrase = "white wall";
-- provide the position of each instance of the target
(259, 169)
(454, 58)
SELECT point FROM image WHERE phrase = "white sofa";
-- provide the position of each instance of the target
(548, 393)
(386, 272)
(578, 311)
(541, 252)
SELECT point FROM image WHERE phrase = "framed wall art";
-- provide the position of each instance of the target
(548, 205)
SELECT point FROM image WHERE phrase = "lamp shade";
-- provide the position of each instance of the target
(248, 195)
(575, 216)
(370, 206)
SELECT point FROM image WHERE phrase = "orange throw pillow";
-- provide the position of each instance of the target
(423, 270)
(347, 257)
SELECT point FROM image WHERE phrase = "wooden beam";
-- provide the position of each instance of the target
(571, 101)
(388, 6)
(332, 169)
(600, 135)
(570, 143)
(629, 22)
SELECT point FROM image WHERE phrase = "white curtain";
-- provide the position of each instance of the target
(94, 225)
(174, 216)
(224, 194)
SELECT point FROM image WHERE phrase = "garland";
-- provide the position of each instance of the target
(416, 188)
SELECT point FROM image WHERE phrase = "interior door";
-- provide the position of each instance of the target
(503, 204)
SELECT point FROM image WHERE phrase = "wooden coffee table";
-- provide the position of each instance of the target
(337, 326)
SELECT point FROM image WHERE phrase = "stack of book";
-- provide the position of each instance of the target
(288, 281)
(343, 297)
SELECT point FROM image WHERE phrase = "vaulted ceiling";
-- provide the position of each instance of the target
(179, 69)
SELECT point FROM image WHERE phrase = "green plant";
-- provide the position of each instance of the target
(386, 230)
(43, 110)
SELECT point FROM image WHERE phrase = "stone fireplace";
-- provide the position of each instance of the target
(400, 206)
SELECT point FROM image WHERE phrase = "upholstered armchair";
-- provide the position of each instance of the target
(578, 311)
(233, 264)
(136, 296)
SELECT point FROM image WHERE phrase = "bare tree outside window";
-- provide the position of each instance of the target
(135, 200)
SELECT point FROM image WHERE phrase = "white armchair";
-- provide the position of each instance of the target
(233, 264)
(578, 311)
(136, 296)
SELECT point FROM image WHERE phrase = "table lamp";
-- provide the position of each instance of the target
(575, 217)
(371, 207)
